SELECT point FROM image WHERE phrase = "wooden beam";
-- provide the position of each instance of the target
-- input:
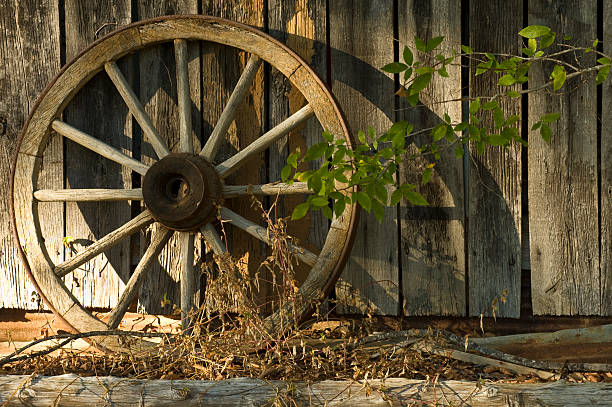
(184, 99)
(274, 188)
(72, 390)
(88, 194)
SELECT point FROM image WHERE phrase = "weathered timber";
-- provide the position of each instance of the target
(98, 110)
(302, 26)
(365, 93)
(88, 194)
(605, 152)
(72, 390)
(29, 55)
(278, 188)
(433, 238)
(494, 208)
(161, 94)
(563, 202)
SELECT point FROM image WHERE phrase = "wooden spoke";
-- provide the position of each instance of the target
(114, 237)
(158, 241)
(213, 239)
(261, 233)
(229, 111)
(231, 164)
(136, 109)
(189, 282)
(184, 100)
(86, 195)
(276, 188)
(98, 146)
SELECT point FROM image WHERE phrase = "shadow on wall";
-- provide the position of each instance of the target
(420, 250)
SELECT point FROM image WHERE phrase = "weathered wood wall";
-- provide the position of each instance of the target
(541, 214)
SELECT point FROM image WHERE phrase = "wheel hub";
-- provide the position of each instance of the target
(182, 191)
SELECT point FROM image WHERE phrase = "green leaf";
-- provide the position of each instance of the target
(407, 74)
(545, 132)
(496, 140)
(551, 117)
(420, 44)
(547, 40)
(433, 43)
(513, 94)
(461, 126)
(567, 37)
(381, 192)
(447, 118)
(315, 183)
(395, 67)
(528, 52)
(319, 201)
(398, 140)
(538, 54)
(602, 74)
(595, 42)
(480, 147)
(498, 117)
(475, 106)
(285, 172)
(512, 119)
(604, 61)
(443, 73)
(364, 200)
(427, 174)
(438, 132)
(327, 212)
(415, 198)
(459, 152)
(467, 49)
(506, 80)
(361, 137)
(408, 57)
(316, 151)
(490, 105)
(420, 83)
(532, 44)
(413, 99)
(339, 206)
(292, 159)
(534, 31)
(379, 210)
(536, 126)
(424, 69)
(558, 75)
(300, 211)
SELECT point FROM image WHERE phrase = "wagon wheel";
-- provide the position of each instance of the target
(182, 190)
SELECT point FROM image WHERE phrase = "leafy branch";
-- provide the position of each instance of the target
(372, 165)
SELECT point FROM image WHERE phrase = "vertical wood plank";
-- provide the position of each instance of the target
(563, 224)
(433, 238)
(29, 57)
(221, 68)
(606, 173)
(494, 231)
(98, 110)
(301, 24)
(361, 40)
(158, 94)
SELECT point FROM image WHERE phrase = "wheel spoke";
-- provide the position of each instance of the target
(213, 239)
(277, 188)
(158, 241)
(229, 112)
(189, 283)
(231, 164)
(109, 240)
(86, 195)
(98, 146)
(261, 233)
(184, 100)
(136, 109)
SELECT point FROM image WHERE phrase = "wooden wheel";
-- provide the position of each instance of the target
(182, 190)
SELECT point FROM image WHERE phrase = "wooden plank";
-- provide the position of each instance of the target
(222, 66)
(494, 214)
(361, 39)
(606, 174)
(563, 224)
(77, 391)
(433, 239)
(99, 111)
(302, 26)
(158, 93)
(29, 57)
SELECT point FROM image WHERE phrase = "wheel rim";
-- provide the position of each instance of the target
(46, 276)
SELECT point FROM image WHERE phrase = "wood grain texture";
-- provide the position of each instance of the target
(222, 67)
(78, 391)
(433, 238)
(606, 174)
(99, 111)
(29, 57)
(494, 232)
(361, 39)
(563, 202)
(158, 93)
(302, 26)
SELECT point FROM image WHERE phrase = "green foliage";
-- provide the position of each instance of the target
(366, 174)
